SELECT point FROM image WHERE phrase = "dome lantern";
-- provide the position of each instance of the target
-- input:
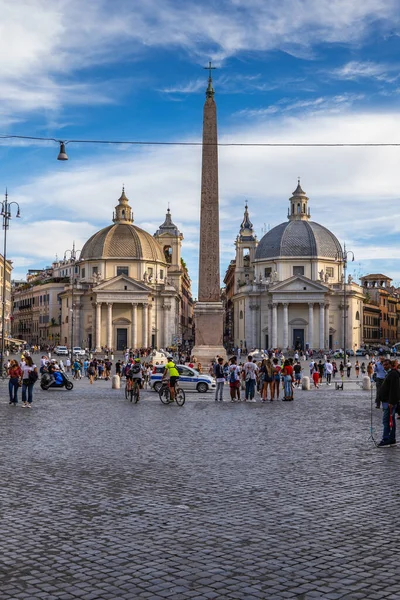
(298, 210)
(123, 212)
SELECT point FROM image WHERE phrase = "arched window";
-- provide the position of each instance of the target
(123, 214)
(292, 209)
(168, 254)
(304, 208)
(241, 315)
(298, 208)
(357, 316)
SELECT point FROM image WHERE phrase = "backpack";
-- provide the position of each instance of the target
(136, 368)
(232, 376)
(33, 376)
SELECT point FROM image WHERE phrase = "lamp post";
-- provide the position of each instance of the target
(6, 214)
(343, 257)
(73, 259)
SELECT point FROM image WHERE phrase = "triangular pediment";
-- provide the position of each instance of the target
(299, 283)
(122, 283)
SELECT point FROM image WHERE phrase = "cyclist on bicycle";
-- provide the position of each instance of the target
(135, 373)
(172, 372)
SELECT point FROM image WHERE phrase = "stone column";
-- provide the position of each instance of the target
(98, 326)
(274, 326)
(150, 324)
(109, 324)
(327, 326)
(310, 325)
(94, 311)
(322, 325)
(134, 327)
(285, 326)
(167, 337)
(269, 326)
(145, 325)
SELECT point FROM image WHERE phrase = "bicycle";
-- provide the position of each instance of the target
(132, 390)
(165, 394)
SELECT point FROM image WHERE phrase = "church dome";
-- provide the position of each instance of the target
(123, 239)
(298, 238)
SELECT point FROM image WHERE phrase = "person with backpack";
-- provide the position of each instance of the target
(136, 372)
(234, 380)
(250, 371)
(30, 376)
(220, 379)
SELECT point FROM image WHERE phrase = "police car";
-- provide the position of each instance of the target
(189, 379)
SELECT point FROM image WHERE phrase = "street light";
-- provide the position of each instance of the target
(73, 259)
(343, 257)
(6, 214)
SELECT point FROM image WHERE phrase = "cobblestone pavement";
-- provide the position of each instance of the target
(104, 499)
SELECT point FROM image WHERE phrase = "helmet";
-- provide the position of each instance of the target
(137, 360)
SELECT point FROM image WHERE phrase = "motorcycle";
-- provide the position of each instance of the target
(60, 380)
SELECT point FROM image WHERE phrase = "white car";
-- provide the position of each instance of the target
(78, 351)
(61, 351)
(189, 379)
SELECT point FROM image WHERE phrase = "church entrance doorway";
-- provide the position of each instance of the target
(122, 339)
(298, 339)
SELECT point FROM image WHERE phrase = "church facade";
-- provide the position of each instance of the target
(289, 290)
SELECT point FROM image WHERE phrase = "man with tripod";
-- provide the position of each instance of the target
(389, 397)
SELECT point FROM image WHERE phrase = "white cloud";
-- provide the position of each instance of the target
(367, 70)
(353, 191)
(45, 46)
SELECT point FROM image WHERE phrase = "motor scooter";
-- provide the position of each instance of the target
(59, 380)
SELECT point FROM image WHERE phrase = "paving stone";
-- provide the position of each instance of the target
(108, 500)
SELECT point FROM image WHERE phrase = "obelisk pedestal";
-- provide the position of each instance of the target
(209, 311)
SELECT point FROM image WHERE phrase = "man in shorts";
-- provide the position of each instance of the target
(234, 380)
(135, 373)
(297, 373)
(172, 372)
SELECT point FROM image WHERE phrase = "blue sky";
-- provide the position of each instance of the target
(293, 71)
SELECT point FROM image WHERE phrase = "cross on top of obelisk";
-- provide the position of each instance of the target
(210, 90)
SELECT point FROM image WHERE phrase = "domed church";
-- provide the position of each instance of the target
(129, 286)
(288, 290)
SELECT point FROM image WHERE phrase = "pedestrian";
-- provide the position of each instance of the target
(91, 371)
(389, 397)
(328, 371)
(321, 371)
(15, 374)
(234, 380)
(266, 379)
(297, 373)
(68, 364)
(370, 370)
(357, 368)
(379, 376)
(315, 377)
(250, 370)
(118, 366)
(348, 368)
(363, 369)
(220, 379)
(341, 369)
(29, 377)
(276, 373)
(287, 373)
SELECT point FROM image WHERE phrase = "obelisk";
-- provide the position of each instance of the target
(209, 311)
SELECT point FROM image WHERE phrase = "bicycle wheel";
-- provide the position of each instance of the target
(135, 394)
(164, 394)
(127, 392)
(179, 396)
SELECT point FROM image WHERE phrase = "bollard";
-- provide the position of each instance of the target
(115, 382)
(366, 383)
(305, 383)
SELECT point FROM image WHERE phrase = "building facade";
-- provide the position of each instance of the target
(381, 310)
(7, 302)
(290, 289)
(127, 288)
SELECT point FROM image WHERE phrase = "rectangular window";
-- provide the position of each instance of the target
(267, 272)
(298, 270)
(150, 271)
(83, 273)
(161, 273)
(95, 270)
(123, 271)
(329, 271)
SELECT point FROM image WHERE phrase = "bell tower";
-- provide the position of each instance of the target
(123, 212)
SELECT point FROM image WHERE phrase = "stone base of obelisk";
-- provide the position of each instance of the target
(209, 332)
